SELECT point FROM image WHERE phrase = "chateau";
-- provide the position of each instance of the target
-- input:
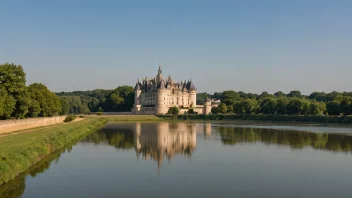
(157, 95)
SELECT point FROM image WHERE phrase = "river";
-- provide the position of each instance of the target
(186, 159)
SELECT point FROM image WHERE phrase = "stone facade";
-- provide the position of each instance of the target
(157, 95)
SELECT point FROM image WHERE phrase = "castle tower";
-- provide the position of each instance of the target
(159, 77)
(207, 106)
(137, 94)
(193, 95)
(137, 98)
(161, 99)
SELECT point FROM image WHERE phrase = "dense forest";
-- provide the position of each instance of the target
(279, 103)
(293, 103)
(120, 99)
(20, 101)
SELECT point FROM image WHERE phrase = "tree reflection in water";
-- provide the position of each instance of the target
(16, 187)
(157, 141)
(294, 139)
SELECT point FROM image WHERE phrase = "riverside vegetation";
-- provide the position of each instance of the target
(232, 102)
(19, 101)
(19, 152)
(260, 117)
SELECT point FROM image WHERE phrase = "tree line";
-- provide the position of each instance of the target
(279, 103)
(20, 101)
(294, 139)
(120, 99)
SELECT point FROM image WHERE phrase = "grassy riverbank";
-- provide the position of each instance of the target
(273, 118)
(18, 152)
(128, 118)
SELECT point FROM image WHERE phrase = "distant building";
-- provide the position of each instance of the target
(215, 103)
(157, 95)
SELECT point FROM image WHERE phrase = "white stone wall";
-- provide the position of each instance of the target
(7, 126)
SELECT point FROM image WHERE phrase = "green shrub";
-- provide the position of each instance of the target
(191, 111)
(173, 111)
(70, 118)
(100, 113)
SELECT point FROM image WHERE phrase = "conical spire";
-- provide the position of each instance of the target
(159, 70)
(162, 84)
(192, 86)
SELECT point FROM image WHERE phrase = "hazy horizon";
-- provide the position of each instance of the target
(250, 46)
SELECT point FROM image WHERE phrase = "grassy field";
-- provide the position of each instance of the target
(18, 152)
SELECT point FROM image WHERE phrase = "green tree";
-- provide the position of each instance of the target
(7, 104)
(268, 106)
(317, 108)
(333, 108)
(216, 96)
(345, 106)
(281, 105)
(33, 108)
(191, 111)
(295, 106)
(264, 94)
(280, 94)
(100, 109)
(120, 99)
(49, 102)
(65, 106)
(13, 80)
(215, 110)
(229, 97)
(318, 96)
(223, 108)
(201, 98)
(247, 106)
(230, 109)
(173, 111)
(295, 93)
(94, 104)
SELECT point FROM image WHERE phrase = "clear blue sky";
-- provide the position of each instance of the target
(247, 45)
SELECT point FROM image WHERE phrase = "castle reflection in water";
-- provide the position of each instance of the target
(161, 140)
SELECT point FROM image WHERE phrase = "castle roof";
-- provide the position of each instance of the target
(159, 83)
(192, 86)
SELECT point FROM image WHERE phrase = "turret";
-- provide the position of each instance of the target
(137, 93)
(161, 100)
(193, 94)
(159, 77)
(137, 100)
(207, 106)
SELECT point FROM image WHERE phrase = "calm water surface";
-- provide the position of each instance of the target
(195, 160)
